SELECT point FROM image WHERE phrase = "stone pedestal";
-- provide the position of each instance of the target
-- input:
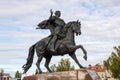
(81, 74)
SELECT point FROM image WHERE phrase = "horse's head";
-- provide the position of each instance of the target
(76, 27)
(43, 25)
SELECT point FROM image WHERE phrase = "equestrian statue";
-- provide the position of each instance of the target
(60, 42)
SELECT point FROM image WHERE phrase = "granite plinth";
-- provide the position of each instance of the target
(81, 74)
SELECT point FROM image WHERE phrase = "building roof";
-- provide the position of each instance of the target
(98, 68)
(6, 74)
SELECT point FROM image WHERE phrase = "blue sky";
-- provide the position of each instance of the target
(100, 21)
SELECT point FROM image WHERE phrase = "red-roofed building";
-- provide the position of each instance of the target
(103, 74)
(97, 67)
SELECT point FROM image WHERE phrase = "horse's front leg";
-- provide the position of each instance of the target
(76, 60)
(48, 59)
(83, 49)
(75, 47)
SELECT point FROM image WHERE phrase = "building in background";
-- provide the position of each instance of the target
(4, 76)
(101, 71)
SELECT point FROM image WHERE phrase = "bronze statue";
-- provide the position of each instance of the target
(64, 42)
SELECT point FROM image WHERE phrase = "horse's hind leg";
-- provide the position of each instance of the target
(40, 54)
(76, 60)
(38, 63)
(40, 49)
(48, 59)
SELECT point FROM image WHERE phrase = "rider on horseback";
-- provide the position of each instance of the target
(58, 25)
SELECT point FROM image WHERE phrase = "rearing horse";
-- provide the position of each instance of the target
(67, 46)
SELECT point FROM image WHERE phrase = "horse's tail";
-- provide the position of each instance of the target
(29, 59)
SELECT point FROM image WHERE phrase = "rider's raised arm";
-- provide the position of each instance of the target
(50, 18)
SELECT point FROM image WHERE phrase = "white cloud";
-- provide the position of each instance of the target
(107, 3)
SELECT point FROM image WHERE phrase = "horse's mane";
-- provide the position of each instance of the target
(69, 24)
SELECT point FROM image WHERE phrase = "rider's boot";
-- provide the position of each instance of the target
(53, 43)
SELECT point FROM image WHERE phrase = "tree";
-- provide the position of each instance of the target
(17, 74)
(63, 65)
(113, 63)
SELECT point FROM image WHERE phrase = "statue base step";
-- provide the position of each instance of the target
(81, 74)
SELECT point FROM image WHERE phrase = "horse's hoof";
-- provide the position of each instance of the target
(24, 66)
(50, 71)
(85, 58)
(82, 67)
(40, 72)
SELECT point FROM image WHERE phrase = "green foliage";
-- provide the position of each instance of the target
(113, 63)
(63, 65)
(17, 74)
